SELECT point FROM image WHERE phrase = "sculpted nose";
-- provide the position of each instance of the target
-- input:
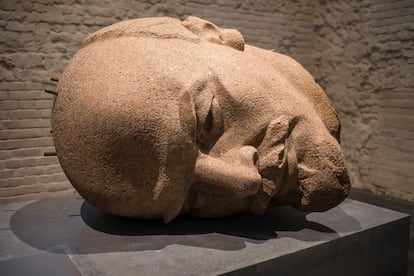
(234, 171)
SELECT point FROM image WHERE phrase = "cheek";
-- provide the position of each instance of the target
(179, 163)
(176, 167)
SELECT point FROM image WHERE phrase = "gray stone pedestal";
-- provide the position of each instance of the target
(67, 236)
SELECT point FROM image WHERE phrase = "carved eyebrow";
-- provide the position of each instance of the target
(187, 114)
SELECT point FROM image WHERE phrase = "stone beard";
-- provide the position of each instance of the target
(157, 117)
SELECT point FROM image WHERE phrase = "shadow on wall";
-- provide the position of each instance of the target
(73, 226)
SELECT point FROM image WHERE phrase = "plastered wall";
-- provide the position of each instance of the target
(363, 56)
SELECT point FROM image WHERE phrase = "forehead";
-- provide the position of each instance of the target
(254, 81)
(191, 46)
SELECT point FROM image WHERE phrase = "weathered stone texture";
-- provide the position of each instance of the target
(363, 57)
(39, 37)
(361, 52)
(173, 117)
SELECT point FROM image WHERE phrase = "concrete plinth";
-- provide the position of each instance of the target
(67, 236)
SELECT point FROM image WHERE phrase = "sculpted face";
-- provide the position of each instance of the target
(157, 117)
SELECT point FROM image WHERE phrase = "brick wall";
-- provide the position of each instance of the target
(39, 37)
(364, 58)
(361, 52)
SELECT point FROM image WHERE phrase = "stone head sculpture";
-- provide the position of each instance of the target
(157, 117)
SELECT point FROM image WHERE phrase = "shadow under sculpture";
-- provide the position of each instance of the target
(157, 117)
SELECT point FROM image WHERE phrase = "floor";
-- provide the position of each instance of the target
(67, 236)
(393, 204)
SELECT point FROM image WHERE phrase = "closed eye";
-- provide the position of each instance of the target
(208, 123)
(209, 117)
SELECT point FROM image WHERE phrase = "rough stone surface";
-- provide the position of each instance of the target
(39, 37)
(156, 117)
(359, 51)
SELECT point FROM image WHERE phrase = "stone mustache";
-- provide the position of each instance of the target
(157, 117)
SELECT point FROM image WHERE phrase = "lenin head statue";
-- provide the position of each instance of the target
(156, 117)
